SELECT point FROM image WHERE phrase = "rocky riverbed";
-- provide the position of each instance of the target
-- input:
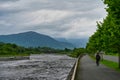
(38, 67)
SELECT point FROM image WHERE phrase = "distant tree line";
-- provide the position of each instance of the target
(77, 52)
(13, 49)
(7, 49)
(107, 35)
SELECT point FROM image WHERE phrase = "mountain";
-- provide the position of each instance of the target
(33, 39)
(81, 42)
(61, 39)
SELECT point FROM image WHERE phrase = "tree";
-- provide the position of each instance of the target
(107, 35)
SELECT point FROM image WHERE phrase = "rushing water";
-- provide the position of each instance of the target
(39, 67)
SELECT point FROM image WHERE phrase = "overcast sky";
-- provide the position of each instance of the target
(56, 18)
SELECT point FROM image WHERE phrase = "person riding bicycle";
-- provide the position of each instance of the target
(98, 59)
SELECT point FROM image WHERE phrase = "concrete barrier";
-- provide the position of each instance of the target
(73, 71)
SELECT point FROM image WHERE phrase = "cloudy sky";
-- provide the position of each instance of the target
(56, 18)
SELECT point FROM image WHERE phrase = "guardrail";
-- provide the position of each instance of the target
(73, 71)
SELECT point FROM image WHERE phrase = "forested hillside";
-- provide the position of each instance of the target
(7, 49)
(78, 43)
(33, 39)
(107, 36)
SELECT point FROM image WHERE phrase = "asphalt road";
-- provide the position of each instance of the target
(89, 71)
(110, 58)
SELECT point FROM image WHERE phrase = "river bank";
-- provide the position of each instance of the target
(14, 58)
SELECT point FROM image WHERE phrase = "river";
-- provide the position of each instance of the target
(38, 67)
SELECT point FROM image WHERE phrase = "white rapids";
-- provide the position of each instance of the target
(39, 67)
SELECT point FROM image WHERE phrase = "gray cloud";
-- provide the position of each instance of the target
(57, 18)
(8, 1)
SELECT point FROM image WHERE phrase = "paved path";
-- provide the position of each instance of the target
(89, 71)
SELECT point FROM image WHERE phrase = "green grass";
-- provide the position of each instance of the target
(111, 64)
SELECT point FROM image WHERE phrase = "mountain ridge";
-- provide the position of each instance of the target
(34, 39)
(78, 43)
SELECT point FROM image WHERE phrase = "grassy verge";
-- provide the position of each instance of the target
(111, 64)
